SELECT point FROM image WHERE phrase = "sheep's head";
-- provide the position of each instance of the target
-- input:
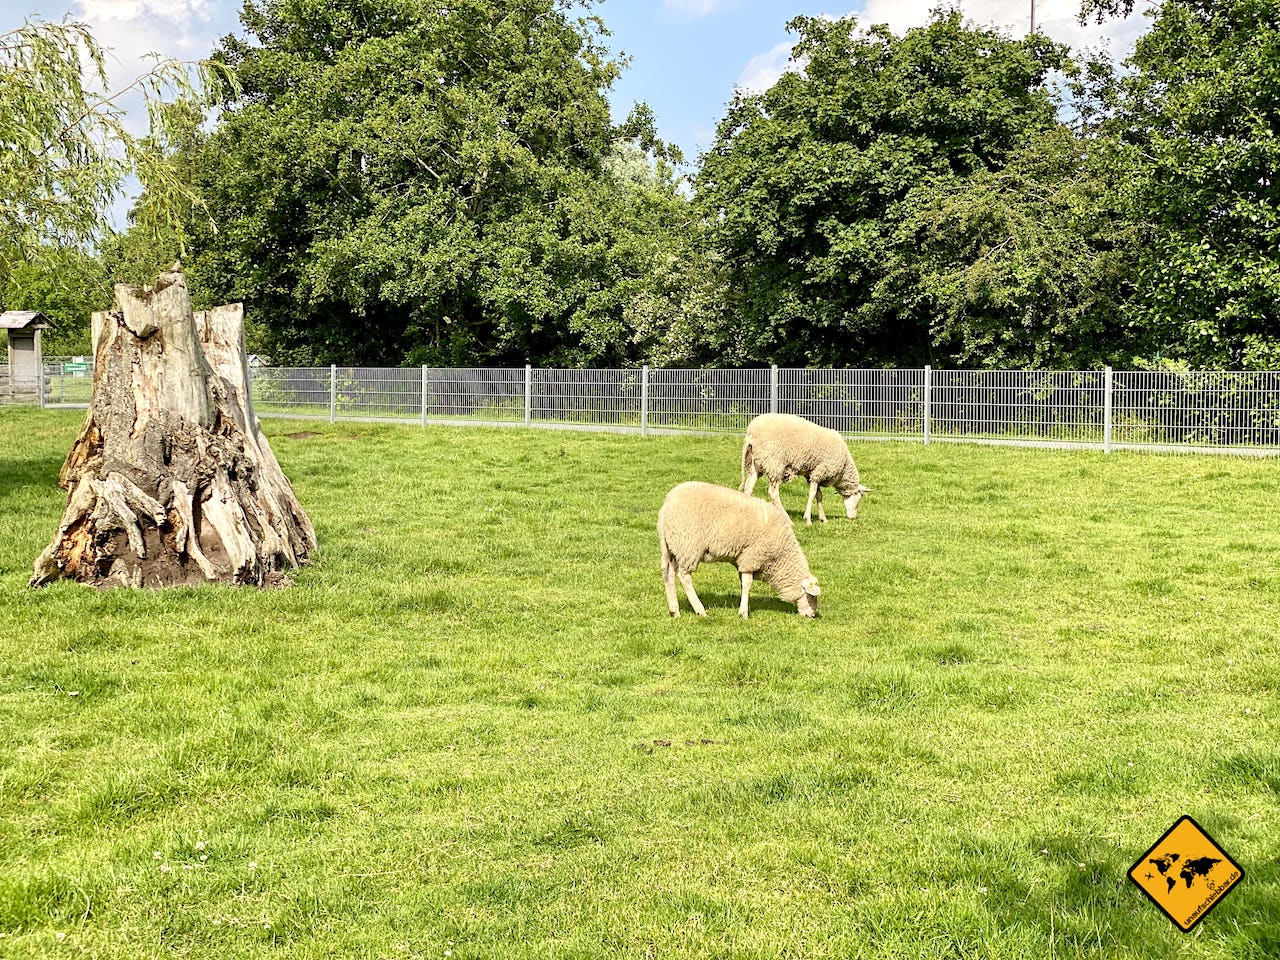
(851, 491)
(807, 603)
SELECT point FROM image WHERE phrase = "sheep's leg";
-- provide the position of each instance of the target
(773, 492)
(746, 589)
(749, 484)
(669, 581)
(808, 507)
(687, 579)
(822, 514)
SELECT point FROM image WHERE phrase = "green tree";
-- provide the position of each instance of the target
(1031, 264)
(66, 284)
(402, 181)
(65, 155)
(810, 185)
(1197, 150)
(1021, 266)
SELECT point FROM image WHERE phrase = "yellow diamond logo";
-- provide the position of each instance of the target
(1185, 874)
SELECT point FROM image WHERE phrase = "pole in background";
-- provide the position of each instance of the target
(424, 394)
(333, 393)
(644, 400)
(773, 388)
(928, 402)
(1107, 381)
(528, 394)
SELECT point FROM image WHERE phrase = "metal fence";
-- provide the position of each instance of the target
(1209, 411)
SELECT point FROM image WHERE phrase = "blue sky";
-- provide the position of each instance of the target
(687, 56)
(686, 63)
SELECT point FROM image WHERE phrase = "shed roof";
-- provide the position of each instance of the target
(23, 320)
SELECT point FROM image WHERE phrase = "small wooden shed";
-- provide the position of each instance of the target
(23, 328)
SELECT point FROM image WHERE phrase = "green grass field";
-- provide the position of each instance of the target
(470, 728)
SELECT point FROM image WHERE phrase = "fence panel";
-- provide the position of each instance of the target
(381, 392)
(493, 394)
(1042, 406)
(1203, 408)
(68, 381)
(719, 401)
(886, 403)
(301, 391)
(603, 397)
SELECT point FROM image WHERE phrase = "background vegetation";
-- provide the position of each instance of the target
(393, 181)
(471, 730)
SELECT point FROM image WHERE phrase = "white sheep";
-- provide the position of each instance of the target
(781, 446)
(703, 522)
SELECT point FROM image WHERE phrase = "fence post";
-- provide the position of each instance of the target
(424, 394)
(528, 394)
(773, 388)
(928, 402)
(333, 393)
(644, 400)
(40, 380)
(1106, 409)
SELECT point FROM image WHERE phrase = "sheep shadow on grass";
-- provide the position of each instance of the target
(721, 601)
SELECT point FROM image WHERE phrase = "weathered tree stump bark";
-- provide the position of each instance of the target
(171, 480)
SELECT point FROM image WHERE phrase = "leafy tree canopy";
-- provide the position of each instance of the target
(64, 155)
(1021, 266)
(398, 180)
(808, 184)
(1198, 157)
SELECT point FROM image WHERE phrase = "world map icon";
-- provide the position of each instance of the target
(1185, 873)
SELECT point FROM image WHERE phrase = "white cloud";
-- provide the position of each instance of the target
(763, 70)
(131, 29)
(695, 8)
(1055, 18)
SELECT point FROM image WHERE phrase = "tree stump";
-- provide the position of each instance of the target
(171, 480)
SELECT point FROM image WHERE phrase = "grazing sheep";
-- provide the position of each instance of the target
(703, 522)
(781, 446)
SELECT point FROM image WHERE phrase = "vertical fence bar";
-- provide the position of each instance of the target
(773, 388)
(644, 400)
(528, 394)
(928, 402)
(333, 393)
(424, 394)
(1106, 409)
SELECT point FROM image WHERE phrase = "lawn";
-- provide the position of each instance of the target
(470, 728)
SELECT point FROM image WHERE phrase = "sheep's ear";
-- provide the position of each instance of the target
(811, 587)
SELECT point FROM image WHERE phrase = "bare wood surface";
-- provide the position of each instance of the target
(171, 480)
